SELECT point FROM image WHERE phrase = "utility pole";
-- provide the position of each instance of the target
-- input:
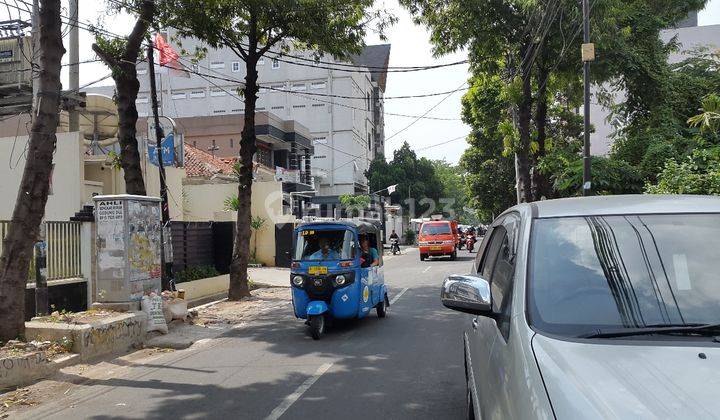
(35, 55)
(74, 56)
(588, 55)
(167, 274)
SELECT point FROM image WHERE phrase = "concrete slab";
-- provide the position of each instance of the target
(23, 370)
(111, 335)
(271, 276)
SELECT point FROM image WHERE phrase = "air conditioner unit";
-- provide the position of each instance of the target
(15, 55)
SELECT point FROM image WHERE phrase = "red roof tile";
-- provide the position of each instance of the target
(199, 163)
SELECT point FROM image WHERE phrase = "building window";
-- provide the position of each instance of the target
(369, 141)
(219, 111)
(275, 63)
(194, 143)
(368, 102)
(298, 106)
(318, 85)
(263, 156)
(238, 110)
(318, 105)
(235, 66)
(179, 95)
(320, 140)
(197, 94)
(260, 108)
(299, 87)
(217, 92)
(141, 71)
(232, 143)
(217, 64)
(319, 156)
(277, 108)
(261, 62)
(141, 100)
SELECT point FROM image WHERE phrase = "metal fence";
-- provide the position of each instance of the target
(63, 250)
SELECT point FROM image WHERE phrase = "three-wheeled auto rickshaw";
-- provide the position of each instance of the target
(337, 272)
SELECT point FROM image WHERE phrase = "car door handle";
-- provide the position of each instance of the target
(475, 323)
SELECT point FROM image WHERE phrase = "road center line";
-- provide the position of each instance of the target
(290, 399)
(427, 269)
(392, 302)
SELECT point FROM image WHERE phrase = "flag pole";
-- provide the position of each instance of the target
(167, 274)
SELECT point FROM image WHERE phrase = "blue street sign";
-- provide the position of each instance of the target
(168, 151)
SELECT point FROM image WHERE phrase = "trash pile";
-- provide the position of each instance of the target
(17, 348)
(163, 309)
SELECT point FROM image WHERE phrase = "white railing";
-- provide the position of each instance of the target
(63, 250)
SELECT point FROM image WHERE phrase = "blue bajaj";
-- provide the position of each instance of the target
(337, 272)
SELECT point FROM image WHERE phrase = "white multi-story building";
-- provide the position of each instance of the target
(341, 103)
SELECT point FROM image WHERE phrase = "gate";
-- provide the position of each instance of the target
(283, 244)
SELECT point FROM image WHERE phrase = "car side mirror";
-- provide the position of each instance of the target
(469, 294)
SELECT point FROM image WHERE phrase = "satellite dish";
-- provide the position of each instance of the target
(98, 120)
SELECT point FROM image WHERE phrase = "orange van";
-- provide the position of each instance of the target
(438, 238)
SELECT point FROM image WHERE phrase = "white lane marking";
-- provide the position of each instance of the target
(290, 399)
(392, 302)
(427, 269)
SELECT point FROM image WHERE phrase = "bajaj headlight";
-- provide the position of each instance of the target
(340, 280)
(297, 281)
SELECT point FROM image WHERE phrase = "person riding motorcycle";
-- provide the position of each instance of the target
(394, 242)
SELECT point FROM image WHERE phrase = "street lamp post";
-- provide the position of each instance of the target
(588, 55)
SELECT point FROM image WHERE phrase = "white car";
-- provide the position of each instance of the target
(595, 308)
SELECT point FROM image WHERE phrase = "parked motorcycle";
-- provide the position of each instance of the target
(395, 246)
(470, 242)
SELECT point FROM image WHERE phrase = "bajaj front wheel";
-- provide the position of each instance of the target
(381, 308)
(317, 326)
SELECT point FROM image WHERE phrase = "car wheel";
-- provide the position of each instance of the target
(469, 408)
(317, 326)
(422, 257)
(381, 308)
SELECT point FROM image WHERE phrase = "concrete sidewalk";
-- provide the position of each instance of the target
(271, 276)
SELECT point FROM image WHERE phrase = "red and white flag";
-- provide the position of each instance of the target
(169, 59)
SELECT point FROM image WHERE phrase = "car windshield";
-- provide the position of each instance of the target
(616, 272)
(440, 229)
(317, 245)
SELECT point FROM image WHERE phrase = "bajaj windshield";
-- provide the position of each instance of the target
(324, 245)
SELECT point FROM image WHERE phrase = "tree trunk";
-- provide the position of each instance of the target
(127, 86)
(33, 193)
(524, 117)
(239, 287)
(541, 110)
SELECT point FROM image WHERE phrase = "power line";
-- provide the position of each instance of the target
(426, 112)
(442, 143)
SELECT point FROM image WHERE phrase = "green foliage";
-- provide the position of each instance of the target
(414, 176)
(709, 119)
(698, 173)
(114, 160)
(409, 236)
(196, 273)
(257, 223)
(610, 176)
(231, 203)
(354, 204)
(455, 198)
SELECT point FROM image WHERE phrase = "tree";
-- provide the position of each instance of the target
(121, 55)
(490, 169)
(354, 204)
(251, 28)
(454, 199)
(418, 191)
(35, 184)
(528, 45)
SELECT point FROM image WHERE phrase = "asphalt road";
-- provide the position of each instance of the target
(406, 366)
